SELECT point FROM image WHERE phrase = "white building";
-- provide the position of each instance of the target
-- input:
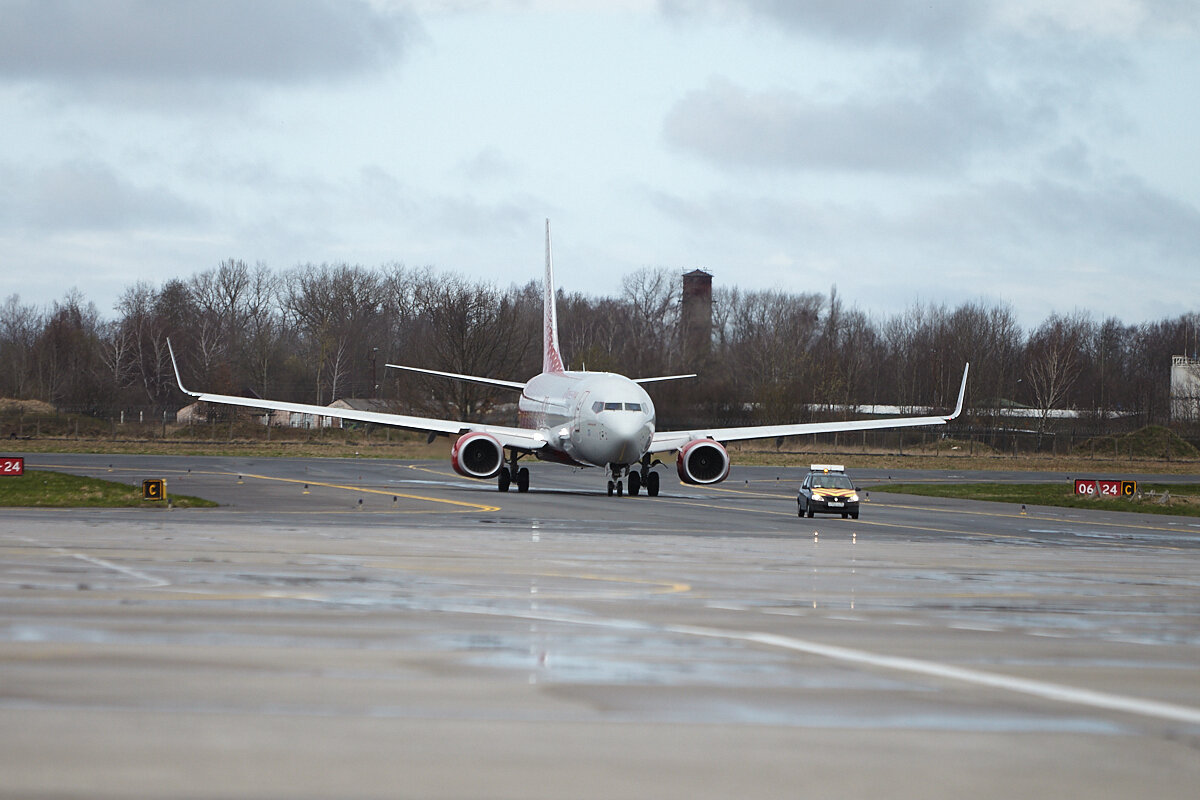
(1185, 388)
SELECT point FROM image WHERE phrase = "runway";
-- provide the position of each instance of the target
(362, 628)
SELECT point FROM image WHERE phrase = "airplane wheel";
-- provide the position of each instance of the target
(652, 484)
(635, 484)
(504, 480)
(610, 488)
(523, 479)
(620, 488)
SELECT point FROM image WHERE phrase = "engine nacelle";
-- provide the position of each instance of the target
(702, 461)
(477, 455)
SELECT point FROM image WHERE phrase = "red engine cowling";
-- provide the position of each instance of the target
(702, 461)
(477, 455)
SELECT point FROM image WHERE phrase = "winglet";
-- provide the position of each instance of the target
(178, 380)
(962, 390)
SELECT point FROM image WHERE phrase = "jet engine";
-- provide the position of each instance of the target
(702, 461)
(477, 455)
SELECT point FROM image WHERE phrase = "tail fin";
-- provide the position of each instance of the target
(551, 358)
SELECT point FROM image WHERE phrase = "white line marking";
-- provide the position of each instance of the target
(1048, 691)
(151, 581)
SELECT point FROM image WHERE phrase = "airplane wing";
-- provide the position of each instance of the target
(520, 438)
(472, 378)
(673, 440)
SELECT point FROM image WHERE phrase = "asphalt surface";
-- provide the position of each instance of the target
(360, 628)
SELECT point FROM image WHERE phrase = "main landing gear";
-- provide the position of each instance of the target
(643, 477)
(507, 474)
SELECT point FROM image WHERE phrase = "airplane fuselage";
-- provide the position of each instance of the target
(589, 418)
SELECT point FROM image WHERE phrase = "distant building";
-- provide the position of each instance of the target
(696, 315)
(200, 412)
(191, 414)
(355, 404)
(1185, 389)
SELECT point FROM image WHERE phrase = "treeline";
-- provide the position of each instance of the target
(317, 333)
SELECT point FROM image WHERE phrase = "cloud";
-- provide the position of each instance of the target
(87, 195)
(1117, 220)
(927, 23)
(487, 165)
(143, 41)
(939, 25)
(1112, 243)
(935, 131)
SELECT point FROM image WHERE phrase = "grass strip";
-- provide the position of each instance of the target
(44, 489)
(1183, 499)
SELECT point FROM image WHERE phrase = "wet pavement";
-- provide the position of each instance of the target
(378, 629)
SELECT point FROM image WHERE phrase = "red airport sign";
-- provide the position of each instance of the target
(1105, 487)
(12, 465)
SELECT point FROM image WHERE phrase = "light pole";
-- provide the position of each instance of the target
(375, 386)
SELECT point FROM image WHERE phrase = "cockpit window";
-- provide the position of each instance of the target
(599, 406)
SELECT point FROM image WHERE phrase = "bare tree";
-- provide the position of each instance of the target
(64, 354)
(766, 350)
(116, 358)
(1053, 361)
(338, 312)
(473, 329)
(19, 326)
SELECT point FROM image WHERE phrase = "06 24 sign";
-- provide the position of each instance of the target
(1105, 487)
(12, 465)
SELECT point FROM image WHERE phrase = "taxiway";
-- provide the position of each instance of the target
(363, 628)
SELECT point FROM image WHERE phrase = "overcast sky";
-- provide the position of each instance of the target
(1039, 153)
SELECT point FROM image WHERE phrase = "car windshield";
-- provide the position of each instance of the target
(831, 482)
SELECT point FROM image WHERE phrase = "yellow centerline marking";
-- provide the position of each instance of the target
(431, 471)
(476, 506)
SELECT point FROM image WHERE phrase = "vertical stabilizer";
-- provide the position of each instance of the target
(551, 358)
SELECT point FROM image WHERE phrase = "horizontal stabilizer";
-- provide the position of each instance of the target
(456, 376)
(664, 378)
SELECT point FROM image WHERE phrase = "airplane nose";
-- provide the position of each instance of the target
(630, 437)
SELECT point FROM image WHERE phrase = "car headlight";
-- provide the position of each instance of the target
(820, 497)
(853, 498)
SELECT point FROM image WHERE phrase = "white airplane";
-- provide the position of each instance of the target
(579, 418)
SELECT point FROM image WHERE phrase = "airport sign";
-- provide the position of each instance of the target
(12, 465)
(1105, 487)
